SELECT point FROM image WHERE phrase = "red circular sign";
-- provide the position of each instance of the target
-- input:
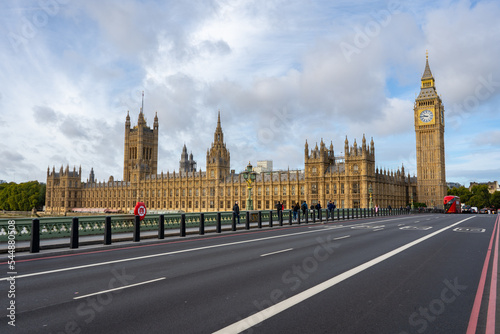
(140, 210)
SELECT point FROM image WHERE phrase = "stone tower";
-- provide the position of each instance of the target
(218, 157)
(317, 162)
(429, 130)
(187, 163)
(63, 191)
(141, 148)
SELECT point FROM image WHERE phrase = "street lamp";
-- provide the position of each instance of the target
(370, 190)
(249, 175)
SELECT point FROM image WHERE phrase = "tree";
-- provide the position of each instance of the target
(22, 196)
(480, 196)
(462, 192)
(495, 200)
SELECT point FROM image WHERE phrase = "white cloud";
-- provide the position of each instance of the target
(275, 69)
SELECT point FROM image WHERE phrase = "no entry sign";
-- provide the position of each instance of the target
(140, 210)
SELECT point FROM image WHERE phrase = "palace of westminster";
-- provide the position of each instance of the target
(350, 181)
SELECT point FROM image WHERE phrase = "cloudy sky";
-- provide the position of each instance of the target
(279, 71)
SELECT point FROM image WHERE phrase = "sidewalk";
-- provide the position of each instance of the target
(62, 245)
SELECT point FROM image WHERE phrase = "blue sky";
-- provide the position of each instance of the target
(280, 72)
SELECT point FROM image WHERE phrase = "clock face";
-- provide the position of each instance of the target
(426, 116)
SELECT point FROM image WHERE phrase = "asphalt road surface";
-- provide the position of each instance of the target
(428, 273)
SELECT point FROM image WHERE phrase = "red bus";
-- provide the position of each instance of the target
(452, 204)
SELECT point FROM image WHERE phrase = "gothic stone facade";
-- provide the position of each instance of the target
(429, 131)
(344, 180)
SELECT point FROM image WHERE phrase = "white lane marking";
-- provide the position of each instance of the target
(339, 238)
(416, 228)
(119, 288)
(379, 229)
(271, 311)
(164, 254)
(277, 252)
(159, 254)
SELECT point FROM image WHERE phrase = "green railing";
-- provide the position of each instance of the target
(60, 227)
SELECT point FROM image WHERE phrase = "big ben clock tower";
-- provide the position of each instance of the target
(429, 130)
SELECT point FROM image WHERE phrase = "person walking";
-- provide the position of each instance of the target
(318, 207)
(304, 209)
(279, 207)
(329, 207)
(295, 210)
(236, 211)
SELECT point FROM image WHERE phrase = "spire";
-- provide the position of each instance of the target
(427, 71)
(141, 121)
(127, 122)
(142, 107)
(346, 147)
(218, 135)
(427, 88)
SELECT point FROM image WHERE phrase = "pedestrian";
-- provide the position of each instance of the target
(236, 211)
(279, 207)
(329, 207)
(318, 207)
(376, 208)
(390, 209)
(295, 210)
(304, 209)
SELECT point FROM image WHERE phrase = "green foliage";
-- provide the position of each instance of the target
(419, 205)
(495, 200)
(22, 196)
(480, 196)
(462, 192)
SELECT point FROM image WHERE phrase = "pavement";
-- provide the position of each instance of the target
(93, 242)
(87, 242)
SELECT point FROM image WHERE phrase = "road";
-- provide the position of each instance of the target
(397, 274)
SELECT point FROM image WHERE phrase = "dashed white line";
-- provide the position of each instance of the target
(119, 288)
(345, 236)
(277, 252)
(271, 311)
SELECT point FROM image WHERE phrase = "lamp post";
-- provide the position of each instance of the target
(411, 196)
(249, 175)
(370, 190)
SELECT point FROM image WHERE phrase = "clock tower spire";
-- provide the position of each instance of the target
(429, 131)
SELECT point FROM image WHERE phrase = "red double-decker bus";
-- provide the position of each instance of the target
(452, 204)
